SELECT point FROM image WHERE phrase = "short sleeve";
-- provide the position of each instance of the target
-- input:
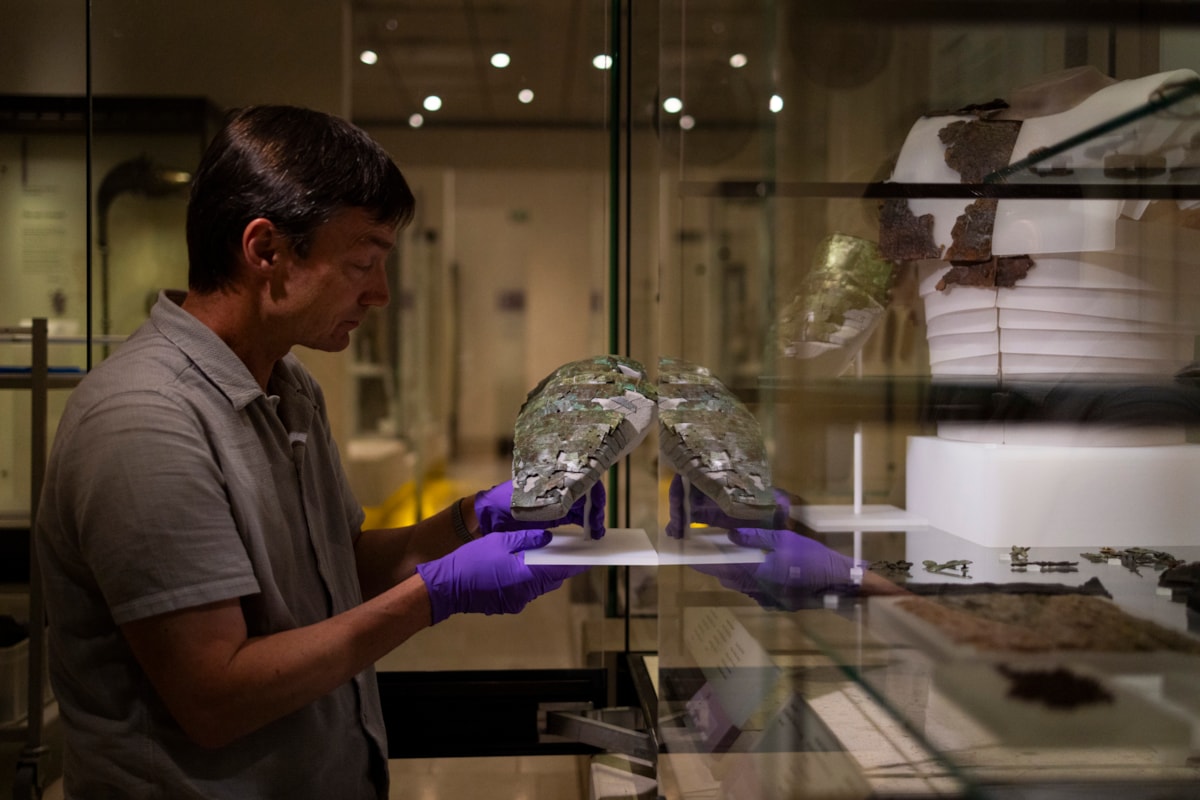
(151, 510)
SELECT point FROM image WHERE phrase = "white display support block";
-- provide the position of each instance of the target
(569, 545)
(997, 494)
(572, 546)
(839, 518)
(705, 546)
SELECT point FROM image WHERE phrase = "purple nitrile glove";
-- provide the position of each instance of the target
(493, 508)
(704, 510)
(796, 568)
(489, 576)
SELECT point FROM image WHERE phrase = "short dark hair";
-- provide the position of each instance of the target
(294, 166)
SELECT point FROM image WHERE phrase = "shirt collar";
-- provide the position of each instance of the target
(206, 350)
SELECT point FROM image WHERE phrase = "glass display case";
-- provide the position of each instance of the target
(941, 255)
(995, 427)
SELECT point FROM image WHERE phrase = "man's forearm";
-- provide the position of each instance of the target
(220, 687)
(387, 556)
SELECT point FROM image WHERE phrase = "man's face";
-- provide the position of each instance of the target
(327, 294)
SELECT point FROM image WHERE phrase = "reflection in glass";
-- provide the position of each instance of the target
(839, 304)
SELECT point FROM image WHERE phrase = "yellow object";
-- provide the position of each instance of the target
(414, 501)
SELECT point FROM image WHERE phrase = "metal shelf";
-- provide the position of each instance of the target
(53, 380)
(1051, 187)
(38, 382)
(1134, 400)
(1178, 13)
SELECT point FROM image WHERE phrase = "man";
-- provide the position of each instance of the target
(214, 607)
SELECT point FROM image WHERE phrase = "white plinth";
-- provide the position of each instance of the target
(631, 547)
(1000, 494)
(837, 519)
(571, 547)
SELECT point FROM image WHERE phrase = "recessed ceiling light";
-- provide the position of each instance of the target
(368, 57)
(432, 103)
(602, 61)
(687, 122)
(672, 105)
(500, 60)
(738, 60)
(525, 95)
(776, 104)
(416, 121)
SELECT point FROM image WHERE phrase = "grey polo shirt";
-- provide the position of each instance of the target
(176, 481)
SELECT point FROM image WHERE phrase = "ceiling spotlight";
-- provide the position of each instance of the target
(432, 103)
(672, 105)
(500, 60)
(687, 122)
(738, 60)
(392, 24)
(602, 61)
(416, 121)
(776, 104)
(525, 95)
(368, 57)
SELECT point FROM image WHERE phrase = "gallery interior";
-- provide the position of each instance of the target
(938, 263)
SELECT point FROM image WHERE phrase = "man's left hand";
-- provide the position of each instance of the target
(795, 571)
(493, 509)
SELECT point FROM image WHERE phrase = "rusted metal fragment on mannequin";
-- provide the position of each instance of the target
(574, 426)
(903, 236)
(1002, 272)
(977, 148)
(712, 440)
(971, 238)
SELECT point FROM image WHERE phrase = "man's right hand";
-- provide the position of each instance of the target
(489, 575)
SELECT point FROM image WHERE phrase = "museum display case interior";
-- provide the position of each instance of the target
(876, 322)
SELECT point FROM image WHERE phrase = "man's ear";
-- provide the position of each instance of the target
(262, 244)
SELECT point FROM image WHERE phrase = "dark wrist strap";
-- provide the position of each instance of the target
(460, 524)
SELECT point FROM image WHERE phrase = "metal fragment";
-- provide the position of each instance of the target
(712, 440)
(573, 427)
